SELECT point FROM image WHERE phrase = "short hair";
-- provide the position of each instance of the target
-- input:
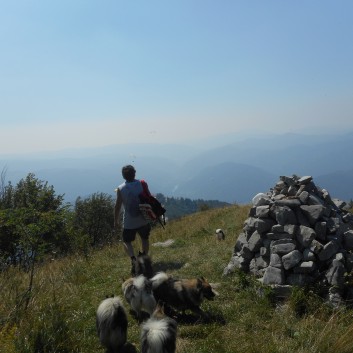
(128, 172)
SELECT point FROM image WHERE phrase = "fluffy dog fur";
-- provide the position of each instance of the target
(143, 266)
(182, 294)
(138, 293)
(158, 333)
(111, 324)
(220, 234)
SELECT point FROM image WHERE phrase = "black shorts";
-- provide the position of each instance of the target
(129, 235)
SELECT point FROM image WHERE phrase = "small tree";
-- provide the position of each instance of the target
(204, 207)
(32, 224)
(32, 221)
(94, 218)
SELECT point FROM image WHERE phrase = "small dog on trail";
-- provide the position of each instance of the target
(159, 333)
(182, 294)
(111, 324)
(142, 266)
(138, 293)
(220, 234)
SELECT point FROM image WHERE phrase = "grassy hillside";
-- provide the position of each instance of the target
(60, 316)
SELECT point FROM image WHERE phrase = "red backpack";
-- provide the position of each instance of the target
(150, 207)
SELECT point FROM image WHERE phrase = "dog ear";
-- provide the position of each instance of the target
(159, 310)
(203, 280)
(214, 292)
(160, 304)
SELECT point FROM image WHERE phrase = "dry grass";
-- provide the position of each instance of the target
(61, 314)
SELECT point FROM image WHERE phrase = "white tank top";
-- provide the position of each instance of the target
(130, 191)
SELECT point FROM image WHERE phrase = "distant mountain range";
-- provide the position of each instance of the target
(225, 168)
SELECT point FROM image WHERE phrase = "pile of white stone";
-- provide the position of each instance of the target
(296, 234)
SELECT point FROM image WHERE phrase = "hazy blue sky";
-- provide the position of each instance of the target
(90, 73)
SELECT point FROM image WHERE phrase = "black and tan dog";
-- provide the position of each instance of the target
(182, 294)
(142, 266)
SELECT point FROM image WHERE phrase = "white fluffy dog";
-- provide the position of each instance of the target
(138, 293)
(159, 333)
(111, 323)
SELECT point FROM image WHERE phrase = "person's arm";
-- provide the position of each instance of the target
(117, 209)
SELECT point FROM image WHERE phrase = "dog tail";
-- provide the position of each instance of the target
(143, 265)
(158, 279)
(127, 283)
(139, 282)
(159, 336)
(111, 323)
(108, 308)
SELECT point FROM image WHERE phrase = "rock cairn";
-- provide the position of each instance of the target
(296, 234)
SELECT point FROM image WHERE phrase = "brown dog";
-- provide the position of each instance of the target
(182, 294)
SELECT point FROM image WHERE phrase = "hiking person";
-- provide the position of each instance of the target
(133, 220)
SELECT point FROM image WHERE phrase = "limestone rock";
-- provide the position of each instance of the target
(296, 234)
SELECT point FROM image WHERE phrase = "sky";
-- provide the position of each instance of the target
(87, 73)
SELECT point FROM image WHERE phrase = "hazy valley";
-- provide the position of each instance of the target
(227, 168)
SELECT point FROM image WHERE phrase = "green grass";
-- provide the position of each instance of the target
(61, 313)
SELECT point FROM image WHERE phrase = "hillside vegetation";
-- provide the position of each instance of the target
(59, 314)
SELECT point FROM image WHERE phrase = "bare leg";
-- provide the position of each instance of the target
(130, 252)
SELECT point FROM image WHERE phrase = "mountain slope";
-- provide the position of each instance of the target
(339, 184)
(230, 182)
(284, 154)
